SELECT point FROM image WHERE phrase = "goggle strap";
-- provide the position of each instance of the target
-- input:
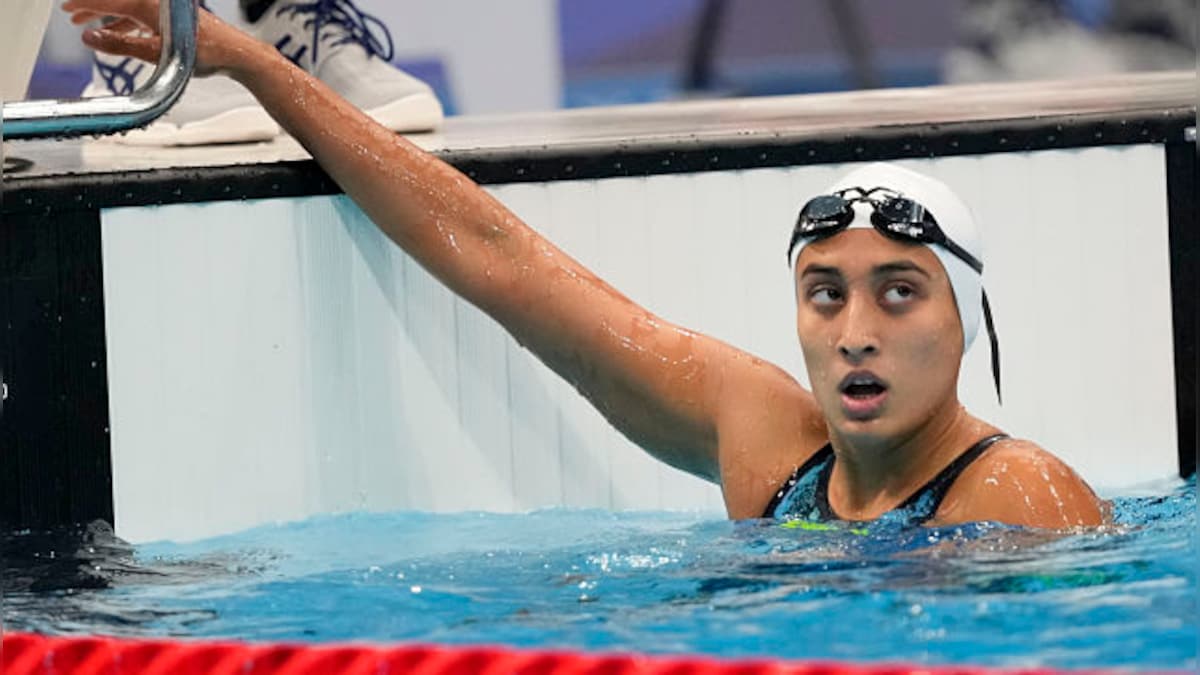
(961, 253)
(995, 341)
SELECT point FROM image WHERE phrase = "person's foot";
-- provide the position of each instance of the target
(211, 110)
(350, 51)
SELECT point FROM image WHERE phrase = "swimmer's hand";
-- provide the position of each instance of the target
(131, 29)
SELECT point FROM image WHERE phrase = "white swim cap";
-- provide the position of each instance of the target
(953, 216)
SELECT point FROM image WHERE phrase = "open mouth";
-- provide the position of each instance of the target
(862, 384)
(864, 390)
(863, 394)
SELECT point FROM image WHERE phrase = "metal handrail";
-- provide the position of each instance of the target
(112, 114)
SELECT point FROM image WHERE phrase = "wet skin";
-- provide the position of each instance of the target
(690, 400)
(885, 311)
(871, 307)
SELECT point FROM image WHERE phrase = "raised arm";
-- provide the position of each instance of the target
(661, 385)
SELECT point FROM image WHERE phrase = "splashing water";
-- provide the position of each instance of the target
(649, 582)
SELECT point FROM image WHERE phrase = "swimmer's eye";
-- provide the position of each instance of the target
(824, 296)
(899, 294)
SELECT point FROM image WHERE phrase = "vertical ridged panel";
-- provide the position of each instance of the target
(582, 431)
(532, 389)
(621, 211)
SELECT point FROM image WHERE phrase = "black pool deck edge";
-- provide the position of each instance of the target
(1184, 233)
(54, 436)
(54, 193)
(54, 433)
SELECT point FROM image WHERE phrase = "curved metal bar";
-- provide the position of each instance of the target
(112, 114)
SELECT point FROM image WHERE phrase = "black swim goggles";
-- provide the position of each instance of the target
(894, 216)
(897, 217)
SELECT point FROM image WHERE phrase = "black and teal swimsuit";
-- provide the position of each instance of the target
(805, 495)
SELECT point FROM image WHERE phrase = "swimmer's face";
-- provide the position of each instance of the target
(880, 333)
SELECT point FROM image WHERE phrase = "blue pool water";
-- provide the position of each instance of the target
(649, 582)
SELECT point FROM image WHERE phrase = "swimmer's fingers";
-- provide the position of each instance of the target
(219, 46)
(124, 44)
(125, 25)
(80, 18)
(144, 12)
(107, 21)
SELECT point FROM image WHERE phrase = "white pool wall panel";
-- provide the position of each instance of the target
(270, 360)
(22, 25)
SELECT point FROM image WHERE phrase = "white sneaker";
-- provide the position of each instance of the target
(350, 51)
(211, 110)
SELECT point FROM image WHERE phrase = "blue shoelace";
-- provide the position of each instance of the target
(120, 77)
(350, 24)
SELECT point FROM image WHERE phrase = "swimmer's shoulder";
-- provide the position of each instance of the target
(768, 425)
(1018, 482)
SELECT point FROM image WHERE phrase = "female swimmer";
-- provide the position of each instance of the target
(885, 270)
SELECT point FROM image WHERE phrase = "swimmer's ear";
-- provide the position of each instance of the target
(124, 44)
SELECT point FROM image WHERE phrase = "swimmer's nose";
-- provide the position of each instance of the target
(857, 340)
(856, 351)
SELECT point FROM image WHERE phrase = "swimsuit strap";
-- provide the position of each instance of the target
(924, 503)
(823, 505)
(921, 505)
(932, 493)
(822, 455)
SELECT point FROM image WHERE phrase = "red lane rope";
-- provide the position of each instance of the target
(26, 654)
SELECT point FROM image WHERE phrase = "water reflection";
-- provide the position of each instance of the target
(655, 582)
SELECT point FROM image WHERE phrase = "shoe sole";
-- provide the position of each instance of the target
(240, 125)
(418, 112)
